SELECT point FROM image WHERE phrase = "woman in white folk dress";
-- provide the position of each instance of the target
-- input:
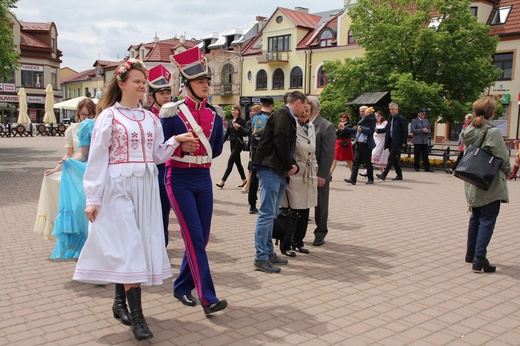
(379, 153)
(125, 244)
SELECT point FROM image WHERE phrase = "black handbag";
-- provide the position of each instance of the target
(244, 142)
(477, 166)
(345, 144)
(286, 222)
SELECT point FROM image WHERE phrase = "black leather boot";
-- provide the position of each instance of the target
(139, 326)
(482, 264)
(119, 308)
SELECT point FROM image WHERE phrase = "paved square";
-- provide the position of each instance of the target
(391, 272)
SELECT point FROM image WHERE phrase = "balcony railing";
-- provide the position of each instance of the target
(273, 57)
(223, 89)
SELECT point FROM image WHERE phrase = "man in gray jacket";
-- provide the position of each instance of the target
(325, 140)
(420, 129)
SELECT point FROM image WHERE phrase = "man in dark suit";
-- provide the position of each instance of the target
(364, 145)
(325, 141)
(395, 140)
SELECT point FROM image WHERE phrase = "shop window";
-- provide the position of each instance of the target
(296, 78)
(278, 79)
(32, 79)
(9, 80)
(504, 62)
(323, 80)
(261, 80)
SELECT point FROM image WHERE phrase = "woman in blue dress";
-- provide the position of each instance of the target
(71, 225)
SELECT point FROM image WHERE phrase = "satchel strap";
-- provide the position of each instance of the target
(483, 137)
(287, 196)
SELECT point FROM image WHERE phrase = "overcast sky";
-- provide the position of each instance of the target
(95, 29)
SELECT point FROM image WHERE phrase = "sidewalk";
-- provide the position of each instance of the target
(391, 271)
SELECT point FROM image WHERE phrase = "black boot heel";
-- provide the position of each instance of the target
(482, 264)
(119, 309)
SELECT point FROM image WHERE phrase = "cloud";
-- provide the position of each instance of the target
(91, 30)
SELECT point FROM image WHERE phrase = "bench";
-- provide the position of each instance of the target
(445, 152)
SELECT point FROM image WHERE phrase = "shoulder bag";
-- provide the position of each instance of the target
(286, 222)
(477, 166)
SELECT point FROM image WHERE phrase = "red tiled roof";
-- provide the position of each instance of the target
(300, 18)
(512, 25)
(80, 76)
(28, 40)
(33, 26)
(161, 51)
(312, 38)
(107, 63)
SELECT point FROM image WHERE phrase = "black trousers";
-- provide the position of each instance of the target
(363, 154)
(253, 182)
(394, 160)
(321, 211)
(420, 150)
(234, 159)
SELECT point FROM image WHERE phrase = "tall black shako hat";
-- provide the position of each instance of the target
(192, 65)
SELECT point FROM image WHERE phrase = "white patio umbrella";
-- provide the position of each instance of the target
(71, 104)
(49, 117)
(23, 117)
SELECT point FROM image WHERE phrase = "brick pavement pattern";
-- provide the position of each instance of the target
(391, 272)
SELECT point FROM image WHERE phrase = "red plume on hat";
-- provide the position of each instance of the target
(159, 78)
(191, 63)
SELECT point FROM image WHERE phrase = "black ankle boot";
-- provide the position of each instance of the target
(469, 257)
(482, 264)
(139, 326)
(119, 308)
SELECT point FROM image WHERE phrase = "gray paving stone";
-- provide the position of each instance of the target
(391, 271)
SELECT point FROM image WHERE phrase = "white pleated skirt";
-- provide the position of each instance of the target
(125, 243)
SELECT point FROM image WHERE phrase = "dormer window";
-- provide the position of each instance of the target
(501, 15)
(326, 38)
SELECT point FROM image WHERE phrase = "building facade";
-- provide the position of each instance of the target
(40, 58)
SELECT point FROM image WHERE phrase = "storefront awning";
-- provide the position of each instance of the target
(370, 99)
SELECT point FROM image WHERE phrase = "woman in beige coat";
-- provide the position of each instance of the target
(302, 187)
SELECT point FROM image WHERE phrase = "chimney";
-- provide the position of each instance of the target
(156, 39)
(261, 20)
(301, 9)
(182, 39)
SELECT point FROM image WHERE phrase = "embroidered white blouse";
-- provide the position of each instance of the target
(124, 142)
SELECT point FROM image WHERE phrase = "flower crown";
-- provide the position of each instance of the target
(127, 66)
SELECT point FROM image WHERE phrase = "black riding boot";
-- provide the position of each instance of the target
(119, 308)
(139, 326)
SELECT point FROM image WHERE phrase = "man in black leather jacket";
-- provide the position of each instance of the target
(274, 162)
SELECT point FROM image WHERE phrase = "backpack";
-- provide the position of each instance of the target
(258, 124)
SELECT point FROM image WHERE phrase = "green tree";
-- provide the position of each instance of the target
(430, 54)
(8, 56)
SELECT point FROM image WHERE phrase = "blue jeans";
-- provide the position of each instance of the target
(480, 228)
(272, 187)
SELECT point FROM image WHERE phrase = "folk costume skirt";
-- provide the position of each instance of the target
(126, 242)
